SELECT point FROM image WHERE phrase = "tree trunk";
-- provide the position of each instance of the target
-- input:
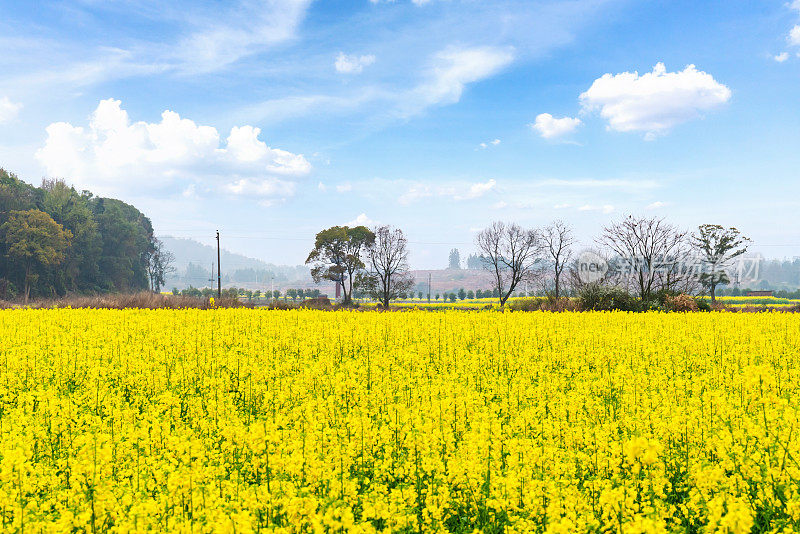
(27, 282)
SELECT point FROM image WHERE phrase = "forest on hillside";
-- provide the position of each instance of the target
(55, 240)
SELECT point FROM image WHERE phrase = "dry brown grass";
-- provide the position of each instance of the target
(143, 300)
(544, 304)
(681, 303)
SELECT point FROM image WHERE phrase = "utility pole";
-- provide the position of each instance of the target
(219, 271)
(429, 288)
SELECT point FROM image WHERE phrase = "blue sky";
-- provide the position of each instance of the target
(273, 119)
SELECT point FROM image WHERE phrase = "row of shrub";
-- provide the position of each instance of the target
(597, 297)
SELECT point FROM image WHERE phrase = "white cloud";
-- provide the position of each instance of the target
(322, 187)
(452, 69)
(656, 101)
(265, 188)
(550, 127)
(190, 191)
(594, 183)
(794, 36)
(780, 58)
(415, 2)
(606, 208)
(476, 190)
(362, 220)
(344, 188)
(352, 64)
(8, 109)
(656, 205)
(113, 154)
(225, 35)
(456, 191)
(493, 142)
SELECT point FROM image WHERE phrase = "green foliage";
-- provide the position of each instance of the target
(337, 255)
(33, 242)
(599, 297)
(718, 246)
(109, 249)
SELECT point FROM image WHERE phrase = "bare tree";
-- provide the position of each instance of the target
(717, 246)
(159, 264)
(558, 239)
(388, 275)
(651, 252)
(512, 254)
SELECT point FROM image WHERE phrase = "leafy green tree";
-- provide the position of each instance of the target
(34, 240)
(462, 294)
(80, 270)
(276, 293)
(337, 256)
(127, 236)
(470, 294)
(292, 294)
(717, 246)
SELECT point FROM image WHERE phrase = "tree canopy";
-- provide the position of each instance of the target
(109, 247)
(337, 256)
(33, 241)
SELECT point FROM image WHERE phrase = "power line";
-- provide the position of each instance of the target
(468, 243)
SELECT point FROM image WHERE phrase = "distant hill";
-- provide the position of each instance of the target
(194, 261)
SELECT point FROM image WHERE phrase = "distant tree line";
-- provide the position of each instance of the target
(248, 294)
(474, 261)
(644, 259)
(54, 240)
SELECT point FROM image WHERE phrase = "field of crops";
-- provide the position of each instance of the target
(237, 420)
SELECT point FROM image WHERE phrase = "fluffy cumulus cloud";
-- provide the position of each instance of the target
(794, 36)
(493, 142)
(114, 154)
(656, 101)
(352, 64)
(550, 127)
(8, 109)
(362, 220)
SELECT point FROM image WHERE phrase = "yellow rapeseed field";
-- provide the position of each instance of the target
(309, 421)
